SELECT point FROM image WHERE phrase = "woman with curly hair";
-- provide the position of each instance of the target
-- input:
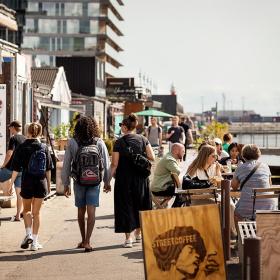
(131, 193)
(86, 133)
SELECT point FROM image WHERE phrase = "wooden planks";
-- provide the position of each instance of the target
(183, 243)
(268, 228)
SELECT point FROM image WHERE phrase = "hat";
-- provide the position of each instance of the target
(15, 124)
(218, 141)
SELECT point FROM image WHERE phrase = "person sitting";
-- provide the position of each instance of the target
(162, 184)
(220, 152)
(227, 138)
(261, 178)
(234, 158)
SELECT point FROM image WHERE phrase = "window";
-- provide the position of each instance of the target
(93, 9)
(43, 60)
(32, 7)
(47, 26)
(45, 43)
(49, 9)
(90, 43)
(78, 44)
(94, 27)
(73, 9)
(72, 26)
(67, 43)
(84, 26)
(29, 25)
(30, 42)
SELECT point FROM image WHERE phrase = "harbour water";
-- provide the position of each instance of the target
(262, 140)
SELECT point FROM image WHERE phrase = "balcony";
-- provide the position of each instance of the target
(110, 70)
(7, 18)
(113, 36)
(112, 17)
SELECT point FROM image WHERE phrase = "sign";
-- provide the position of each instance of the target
(120, 82)
(183, 243)
(2, 122)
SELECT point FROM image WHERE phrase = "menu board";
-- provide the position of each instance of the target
(2, 122)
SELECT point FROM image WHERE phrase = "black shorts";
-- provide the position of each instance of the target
(34, 188)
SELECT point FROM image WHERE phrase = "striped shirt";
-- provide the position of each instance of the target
(260, 179)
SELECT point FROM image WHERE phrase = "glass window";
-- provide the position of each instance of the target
(44, 60)
(73, 9)
(67, 43)
(84, 26)
(49, 9)
(29, 25)
(30, 42)
(78, 44)
(32, 7)
(45, 43)
(72, 26)
(93, 9)
(94, 27)
(47, 26)
(90, 43)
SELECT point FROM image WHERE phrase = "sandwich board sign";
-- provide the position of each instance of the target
(183, 243)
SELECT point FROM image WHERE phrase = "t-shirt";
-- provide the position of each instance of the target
(176, 136)
(21, 160)
(14, 142)
(225, 147)
(153, 133)
(260, 179)
(162, 175)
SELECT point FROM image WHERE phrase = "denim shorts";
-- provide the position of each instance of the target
(6, 174)
(86, 195)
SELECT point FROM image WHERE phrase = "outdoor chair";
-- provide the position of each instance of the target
(263, 193)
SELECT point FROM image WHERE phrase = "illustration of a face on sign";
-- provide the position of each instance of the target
(181, 252)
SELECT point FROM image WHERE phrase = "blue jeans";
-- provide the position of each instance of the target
(86, 195)
(6, 174)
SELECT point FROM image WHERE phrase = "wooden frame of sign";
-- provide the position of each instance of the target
(183, 243)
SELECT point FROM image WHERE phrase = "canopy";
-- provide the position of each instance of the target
(153, 113)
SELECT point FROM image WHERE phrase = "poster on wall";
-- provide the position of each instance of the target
(2, 122)
(183, 243)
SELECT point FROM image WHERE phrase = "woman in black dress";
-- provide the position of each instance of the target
(131, 193)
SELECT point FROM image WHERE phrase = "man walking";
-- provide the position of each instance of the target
(5, 171)
(154, 133)
(86, 160)
(175, 133)
(188, 134)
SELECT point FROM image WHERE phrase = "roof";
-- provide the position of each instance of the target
(44, 75)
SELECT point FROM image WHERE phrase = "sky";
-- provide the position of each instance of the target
(207, 48)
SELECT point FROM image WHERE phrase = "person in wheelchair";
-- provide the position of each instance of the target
(162, 183)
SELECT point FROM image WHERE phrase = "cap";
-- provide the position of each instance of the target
(15, 124)
(218, 141)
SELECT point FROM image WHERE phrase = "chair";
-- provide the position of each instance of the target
(161, 202)
(262, 193)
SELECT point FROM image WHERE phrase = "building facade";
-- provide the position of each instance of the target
(74, 28)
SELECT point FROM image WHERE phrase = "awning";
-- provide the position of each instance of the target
(62, 107)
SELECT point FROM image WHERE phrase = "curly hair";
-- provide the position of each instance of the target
(86, 129)
(177, 239)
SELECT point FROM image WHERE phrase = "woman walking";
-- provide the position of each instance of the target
(131, 193)
(34, 160)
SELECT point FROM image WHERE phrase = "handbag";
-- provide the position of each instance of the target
(194, 183)
(141, 163)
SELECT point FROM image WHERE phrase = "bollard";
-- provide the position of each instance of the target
(225, 211)
(251, 269)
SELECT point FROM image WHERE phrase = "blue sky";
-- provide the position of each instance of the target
(206, 48)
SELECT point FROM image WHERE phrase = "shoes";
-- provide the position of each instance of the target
(128, 243)
(14, 219)
(138, 238)
(36, 246)
(26, 241)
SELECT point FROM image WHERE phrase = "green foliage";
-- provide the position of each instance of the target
(73, 123)
(60, 131)
(215, 129)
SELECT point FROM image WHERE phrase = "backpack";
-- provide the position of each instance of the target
(88, 165)
(37, 164)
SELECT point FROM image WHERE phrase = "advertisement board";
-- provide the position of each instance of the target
(2, 122)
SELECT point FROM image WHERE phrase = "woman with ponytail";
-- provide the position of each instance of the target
(34, 160)
(131, 192)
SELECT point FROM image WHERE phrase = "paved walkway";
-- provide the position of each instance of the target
(59, 234)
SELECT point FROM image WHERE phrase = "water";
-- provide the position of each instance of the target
(262, 140)
(270, 160)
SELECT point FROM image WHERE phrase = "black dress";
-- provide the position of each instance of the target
(131, 192)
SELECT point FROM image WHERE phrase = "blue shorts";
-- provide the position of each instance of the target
(6, 174)
(86, 195)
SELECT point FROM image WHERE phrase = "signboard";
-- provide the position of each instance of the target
(2, 122)
(183, 243)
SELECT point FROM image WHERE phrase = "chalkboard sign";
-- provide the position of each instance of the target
(183, 243)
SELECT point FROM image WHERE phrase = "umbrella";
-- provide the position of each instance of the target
(153, 113)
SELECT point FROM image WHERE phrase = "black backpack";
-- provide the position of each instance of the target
(37, 164)
(88, 164)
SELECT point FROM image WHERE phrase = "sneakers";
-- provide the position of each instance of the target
(26, 241)
(36, 246)
(128, 243)
(138, 238)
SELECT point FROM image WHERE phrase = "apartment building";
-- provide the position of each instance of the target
(74, 28)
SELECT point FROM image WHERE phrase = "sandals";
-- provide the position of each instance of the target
(80, 245)
(14, 219)
(88, 249)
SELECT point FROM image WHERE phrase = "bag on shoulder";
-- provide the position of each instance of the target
(141, 163)
(88, 165)
(37, 164)
(194, 183)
